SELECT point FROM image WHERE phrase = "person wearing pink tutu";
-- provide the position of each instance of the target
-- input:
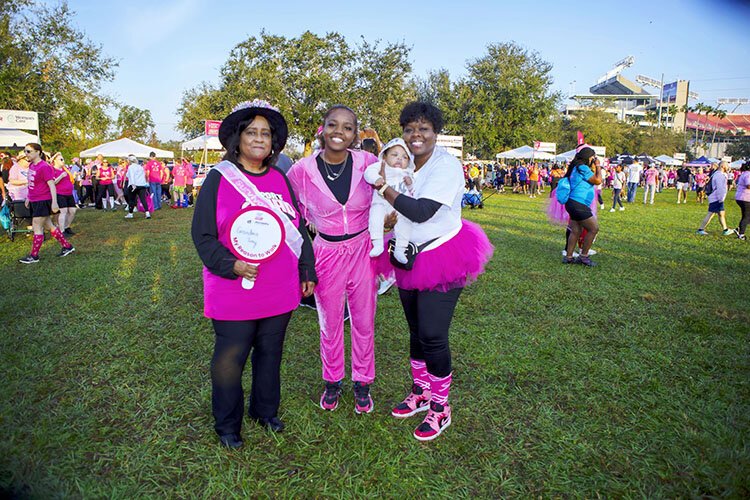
(584, 172)
(453, 252)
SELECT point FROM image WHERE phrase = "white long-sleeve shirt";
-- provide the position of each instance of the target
(136, 175)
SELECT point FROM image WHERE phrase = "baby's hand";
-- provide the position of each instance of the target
(407, 180)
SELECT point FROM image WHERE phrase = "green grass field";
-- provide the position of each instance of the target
(631, 379)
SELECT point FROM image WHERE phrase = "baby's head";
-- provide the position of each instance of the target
(397, 155)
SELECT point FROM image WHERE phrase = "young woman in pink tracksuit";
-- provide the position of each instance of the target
(334, 197)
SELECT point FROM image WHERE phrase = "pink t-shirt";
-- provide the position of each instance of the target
(87, 172)
(106, 174)
(180, 174)
(152, 169)
(743, 187)
(700, 179)
(39, 175)
(18, 174)
(651, 175)
(191, 173)
(277, 288)
(64, 186)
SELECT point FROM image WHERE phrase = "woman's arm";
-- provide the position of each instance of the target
(53, 192)
(216, 257)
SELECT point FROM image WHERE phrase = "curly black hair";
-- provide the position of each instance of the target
(233, 144)
(417, 110)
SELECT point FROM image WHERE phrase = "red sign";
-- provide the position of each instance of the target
(212, 127)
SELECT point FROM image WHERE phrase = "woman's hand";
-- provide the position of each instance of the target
(308, 287)
(390, 221)
(26, 203)
(55, 207)
(311, 227)
(245, 270)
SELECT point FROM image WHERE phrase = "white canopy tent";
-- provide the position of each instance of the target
(203, 142)
(668, 160)
(13, 138)
(737, 163)
(525, 153)
(124, 147)
(569, 155)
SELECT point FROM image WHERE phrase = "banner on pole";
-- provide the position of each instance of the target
(24, 120)
(212, 127)
(546, 147)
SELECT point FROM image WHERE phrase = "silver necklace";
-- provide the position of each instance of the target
(330, 174)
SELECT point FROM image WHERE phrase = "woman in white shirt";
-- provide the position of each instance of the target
(452, 253)
(618, 180)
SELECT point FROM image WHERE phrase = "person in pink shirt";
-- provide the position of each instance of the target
(120, 175)
(65, 199)
(42, 202)
(18, 179)
(335, 198)
(87, 187)
(700, 185)
(651, 176)
(253, 319)
(180, 174)
(106, 177)
(742, 198)
(153, 169)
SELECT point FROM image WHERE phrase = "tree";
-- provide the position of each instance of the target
(135, 123)
(49, 66)
(304, 76)
(505, 100)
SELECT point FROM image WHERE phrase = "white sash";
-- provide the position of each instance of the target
(247, 189)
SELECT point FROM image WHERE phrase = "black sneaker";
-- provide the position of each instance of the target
(584, 260)
(231, 441)
(29, 259)
(566, 260)
(66, 251)
(68, 232)
(329, 400)
(362, 399)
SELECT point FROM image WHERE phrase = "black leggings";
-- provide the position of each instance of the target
(429, 316)
(140, 193)
(87, 192)
(234, 340)
(745, 219)
(102, 190)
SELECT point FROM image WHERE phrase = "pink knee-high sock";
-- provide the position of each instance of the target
(60, 238)
(441, 387)
(36, 244)
(419, 373)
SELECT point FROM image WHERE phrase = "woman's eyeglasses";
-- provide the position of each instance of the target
(27, 151)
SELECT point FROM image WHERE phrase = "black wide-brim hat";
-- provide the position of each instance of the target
(244, 110)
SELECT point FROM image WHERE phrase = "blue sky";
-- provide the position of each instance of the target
(165, 47)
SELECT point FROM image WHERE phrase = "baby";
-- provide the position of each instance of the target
(399, 174)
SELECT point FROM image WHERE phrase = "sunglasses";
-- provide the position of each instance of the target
(27, 151)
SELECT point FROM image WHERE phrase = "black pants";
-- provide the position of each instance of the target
(745, 220)
(102, 190)
(429, 316)
(140, 193)
(87, 193)
(234, 340)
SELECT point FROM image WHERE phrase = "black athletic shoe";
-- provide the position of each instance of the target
(68, 232)
(66, 251)
(231, 441)
(29, 259)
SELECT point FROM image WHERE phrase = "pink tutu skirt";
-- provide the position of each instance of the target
(556, 212)
(456, 263)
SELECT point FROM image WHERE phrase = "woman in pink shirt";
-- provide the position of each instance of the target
(742, 197)
(180, 173)
(255, 319)
(335, 199)
(106, 177)
(42, 202)
(700, 185)
(65, 200)
(651, 175)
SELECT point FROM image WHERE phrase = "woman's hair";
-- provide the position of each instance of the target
(417, 110)
(745, 166)
(371, 146)
(52, 158)
(233, 143)
(38, 147)
(582, 157)
(335, 107)
(7, 163)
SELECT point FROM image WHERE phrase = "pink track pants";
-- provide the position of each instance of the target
(346, 273)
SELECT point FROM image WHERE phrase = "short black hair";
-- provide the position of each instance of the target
(417, 110)
(152, 155)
